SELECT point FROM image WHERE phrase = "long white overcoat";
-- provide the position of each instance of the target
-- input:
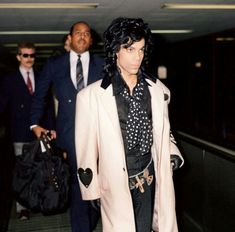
(99, 147)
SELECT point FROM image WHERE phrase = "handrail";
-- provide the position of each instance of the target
(219, 150)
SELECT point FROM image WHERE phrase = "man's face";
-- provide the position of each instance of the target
(26, 57)
(129, 59)
(80, 40)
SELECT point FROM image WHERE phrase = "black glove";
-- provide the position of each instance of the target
(175, 162)
(96, 204)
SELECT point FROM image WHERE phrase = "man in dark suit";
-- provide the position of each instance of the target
(16, 93)
(62, 72)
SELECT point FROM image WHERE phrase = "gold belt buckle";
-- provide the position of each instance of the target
(149, 178)
(139, 184)
(140, 180)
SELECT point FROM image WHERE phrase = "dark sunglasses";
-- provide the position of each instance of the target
(25, 55)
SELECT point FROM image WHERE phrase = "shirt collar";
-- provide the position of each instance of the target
(24, 70)
(84, 56)
(119, 84)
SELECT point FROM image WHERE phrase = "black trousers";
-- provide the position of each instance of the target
(143, 204)
(83, 216)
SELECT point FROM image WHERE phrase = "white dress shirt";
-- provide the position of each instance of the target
(24, 71)
(85, 58)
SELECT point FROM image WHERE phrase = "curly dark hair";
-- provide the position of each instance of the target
(125, 31)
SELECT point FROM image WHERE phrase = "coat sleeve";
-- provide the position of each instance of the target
(174, 149)
(40, 96)
(173, 144)
(86, 143)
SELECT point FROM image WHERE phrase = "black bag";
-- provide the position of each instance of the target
(41, 179)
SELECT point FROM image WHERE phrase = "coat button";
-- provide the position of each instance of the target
(124, 169)
(22, 106)
(69, 101)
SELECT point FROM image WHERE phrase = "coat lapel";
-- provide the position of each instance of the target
(94, 70)
(91, 70)
(157, 103)
(66, 73)
(109, 105)
(21, 83)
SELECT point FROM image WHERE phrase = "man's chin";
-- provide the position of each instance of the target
(135, 71)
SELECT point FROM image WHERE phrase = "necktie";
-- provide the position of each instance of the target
(79, 74)
(29, 84)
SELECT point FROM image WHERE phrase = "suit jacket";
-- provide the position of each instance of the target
(16, 100)
(57, 72)
(99, 146)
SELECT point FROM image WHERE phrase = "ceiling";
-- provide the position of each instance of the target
(201, 22)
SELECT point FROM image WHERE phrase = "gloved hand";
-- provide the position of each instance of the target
(96, 204)
(175, 162)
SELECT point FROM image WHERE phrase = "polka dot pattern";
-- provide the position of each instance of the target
(139, 126)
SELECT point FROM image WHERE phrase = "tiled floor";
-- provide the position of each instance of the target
(40, 223)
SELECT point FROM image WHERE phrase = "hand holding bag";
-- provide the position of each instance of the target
(41, 178)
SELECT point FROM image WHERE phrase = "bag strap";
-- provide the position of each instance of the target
(49, 169)
(45, 141)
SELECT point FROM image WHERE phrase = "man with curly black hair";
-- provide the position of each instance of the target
(125, 151)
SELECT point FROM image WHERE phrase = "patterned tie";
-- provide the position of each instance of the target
(29, 84)
(79, 74)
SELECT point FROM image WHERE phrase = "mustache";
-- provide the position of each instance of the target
(81, 40)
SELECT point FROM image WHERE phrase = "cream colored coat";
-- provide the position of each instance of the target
(99, 146)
